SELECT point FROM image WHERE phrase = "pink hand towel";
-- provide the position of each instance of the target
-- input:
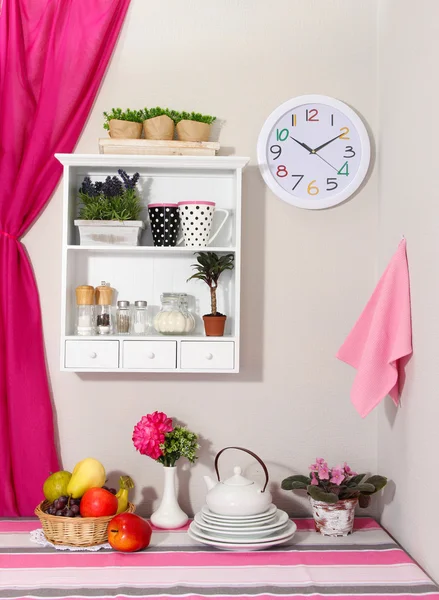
(380, 343)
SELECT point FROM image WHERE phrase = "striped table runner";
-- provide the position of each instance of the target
(367, 565)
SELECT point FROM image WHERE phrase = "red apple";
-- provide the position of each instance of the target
(128, 532)
(97, 502)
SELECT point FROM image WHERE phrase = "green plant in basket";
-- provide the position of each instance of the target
(115, 199)
(330, 485)
(135, 116)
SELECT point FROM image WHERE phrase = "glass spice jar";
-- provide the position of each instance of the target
(139, 321)
(104, 318)
(174, 317)
(85, 305)
(123, 317)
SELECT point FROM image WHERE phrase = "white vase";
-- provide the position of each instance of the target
(336, 519)
(169, 514)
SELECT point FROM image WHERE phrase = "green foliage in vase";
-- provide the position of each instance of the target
(337, 483)
(111, 200)
(180, 442)
(209, 267)
(185, 116)
(136, 116)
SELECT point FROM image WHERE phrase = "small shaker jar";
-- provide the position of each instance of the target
(104, 318)
(139, 323)
(85, 319)
(123, 317)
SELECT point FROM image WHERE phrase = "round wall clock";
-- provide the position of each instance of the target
(313, 151)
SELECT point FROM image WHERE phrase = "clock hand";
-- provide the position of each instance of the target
(325, 144)
(302, 144)
(324, 159)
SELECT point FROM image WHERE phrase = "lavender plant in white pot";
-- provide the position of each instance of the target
(109, 211)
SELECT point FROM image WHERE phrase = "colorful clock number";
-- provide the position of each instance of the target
(299, 180)
(281, 171)
(351, 152)
(276, 149)
(282, 135)
(344, 135)
(293, 120)
(311, 115)
(312, 189)
(344, 169)
(331, 181)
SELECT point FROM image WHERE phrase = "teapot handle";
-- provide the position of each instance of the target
(248, 452)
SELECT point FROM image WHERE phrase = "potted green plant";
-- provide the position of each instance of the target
(124, 124)
(334, 493)
(208, 268)
(158, 123)
(193, 127)
(109, 211)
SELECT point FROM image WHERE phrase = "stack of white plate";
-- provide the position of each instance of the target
(242, 533)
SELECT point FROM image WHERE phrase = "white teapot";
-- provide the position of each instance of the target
(237, 495)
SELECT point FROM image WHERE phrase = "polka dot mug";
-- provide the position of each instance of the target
(165, 223)
(196, 221)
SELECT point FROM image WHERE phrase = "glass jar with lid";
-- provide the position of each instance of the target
(190, 319)
(103, 313)
(173, 317)
(123, 317)
(85, 309)
(139, 320)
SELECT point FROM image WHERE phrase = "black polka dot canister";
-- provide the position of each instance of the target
(165, 224)
(196, 221)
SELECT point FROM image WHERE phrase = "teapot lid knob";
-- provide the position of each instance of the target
(237, 470)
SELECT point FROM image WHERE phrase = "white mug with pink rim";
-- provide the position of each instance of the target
(196, 221)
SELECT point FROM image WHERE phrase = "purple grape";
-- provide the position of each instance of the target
(64, 499)
(74, 509)
(112, 490)
(59, 513)
(59, 504)
(104, 487)
(69, 513)
(75, 501)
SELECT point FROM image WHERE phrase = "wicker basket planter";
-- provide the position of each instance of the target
(68, 531)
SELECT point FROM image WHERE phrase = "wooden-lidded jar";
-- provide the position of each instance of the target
(104, 317)
(85, 317)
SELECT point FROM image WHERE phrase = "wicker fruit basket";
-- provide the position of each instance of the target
(69, 531)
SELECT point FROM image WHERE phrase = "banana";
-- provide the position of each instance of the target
(126, 483)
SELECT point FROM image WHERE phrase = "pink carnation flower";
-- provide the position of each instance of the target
(149, 433)
(337, 475)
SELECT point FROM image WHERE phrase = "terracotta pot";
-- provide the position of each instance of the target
(159, 128)
(125, 129)
(193, 131)
(214, 326)
(334, 519)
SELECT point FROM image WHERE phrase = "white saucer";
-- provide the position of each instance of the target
(245, 546)
(211, 516)
(279, 521)
(237, 539)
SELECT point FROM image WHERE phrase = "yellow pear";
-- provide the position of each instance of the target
(87, 473)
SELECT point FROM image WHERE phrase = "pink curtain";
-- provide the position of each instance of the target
(53, 56)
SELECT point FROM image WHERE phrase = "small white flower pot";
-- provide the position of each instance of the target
(104, 233)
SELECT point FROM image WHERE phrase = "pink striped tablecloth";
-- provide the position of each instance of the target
(366, 565)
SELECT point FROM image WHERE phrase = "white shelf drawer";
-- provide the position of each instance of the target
(91, 354)
(149, 355)
(207, 355)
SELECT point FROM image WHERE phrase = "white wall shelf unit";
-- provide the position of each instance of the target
(144, 272)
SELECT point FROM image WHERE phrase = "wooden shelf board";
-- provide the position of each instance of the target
(157, 147)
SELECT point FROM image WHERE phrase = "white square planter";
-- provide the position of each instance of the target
(104, 233)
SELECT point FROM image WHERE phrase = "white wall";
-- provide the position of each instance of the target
(306, 274)
(409, 163)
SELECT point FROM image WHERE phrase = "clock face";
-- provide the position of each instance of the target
(314, 152)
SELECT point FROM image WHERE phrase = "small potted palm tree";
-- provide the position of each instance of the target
(208, 268)
(158, 123)
(193, 127)
(124, 124)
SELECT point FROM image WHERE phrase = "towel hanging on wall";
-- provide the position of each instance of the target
(380, 343)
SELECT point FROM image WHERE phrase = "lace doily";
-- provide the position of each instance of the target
(37, 536)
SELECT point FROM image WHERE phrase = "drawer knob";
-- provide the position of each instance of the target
(93, 355)
(209, 356)
(150, 355)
